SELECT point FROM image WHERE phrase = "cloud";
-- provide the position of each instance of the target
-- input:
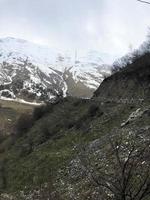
(103, 25)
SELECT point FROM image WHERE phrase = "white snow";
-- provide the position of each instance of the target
(22, 101)
(88, 67)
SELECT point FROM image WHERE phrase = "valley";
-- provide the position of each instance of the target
(74, 100)
(67, 149)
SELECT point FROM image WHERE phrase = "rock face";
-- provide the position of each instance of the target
(131, 82)
(30, 71)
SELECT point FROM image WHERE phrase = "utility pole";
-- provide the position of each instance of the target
(75, 57)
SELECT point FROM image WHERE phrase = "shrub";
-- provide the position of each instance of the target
(24, 149)
(77, 103)
(24, 123)
(80, 123)
(38, 112)
(84, 121)
(93, 109)
(115, 68)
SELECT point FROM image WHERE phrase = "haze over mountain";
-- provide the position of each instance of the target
(103, 25)
(32, 71)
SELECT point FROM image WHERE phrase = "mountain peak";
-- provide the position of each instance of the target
(36, 66)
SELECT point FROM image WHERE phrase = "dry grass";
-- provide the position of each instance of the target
(17, 106)
(9, 112)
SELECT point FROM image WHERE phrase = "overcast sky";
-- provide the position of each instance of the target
(110, 26)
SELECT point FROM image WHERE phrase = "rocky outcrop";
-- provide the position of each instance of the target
(131, 82)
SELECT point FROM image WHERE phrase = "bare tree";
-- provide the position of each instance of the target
(121, 171)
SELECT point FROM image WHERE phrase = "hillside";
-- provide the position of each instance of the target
(33, 72)
(84, 148)
(131, 82)
(9, 113)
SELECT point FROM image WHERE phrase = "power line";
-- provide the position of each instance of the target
(143, 1)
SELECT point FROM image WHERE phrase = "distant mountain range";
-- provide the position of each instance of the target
(32, 72)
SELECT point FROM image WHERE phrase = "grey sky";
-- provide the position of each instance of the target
(109, 26)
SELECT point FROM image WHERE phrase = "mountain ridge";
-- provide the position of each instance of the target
(54, 72)
(131, 82)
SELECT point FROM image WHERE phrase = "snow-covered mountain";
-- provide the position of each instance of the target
(31, 71)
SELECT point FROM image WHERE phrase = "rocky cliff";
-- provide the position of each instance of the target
(130, 82)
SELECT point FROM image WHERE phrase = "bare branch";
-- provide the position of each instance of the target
(143, 1)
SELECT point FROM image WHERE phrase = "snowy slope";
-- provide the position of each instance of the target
(28, 69)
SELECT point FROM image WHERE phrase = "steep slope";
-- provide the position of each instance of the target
(31, 71)
(129, 83)
(79, 148)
